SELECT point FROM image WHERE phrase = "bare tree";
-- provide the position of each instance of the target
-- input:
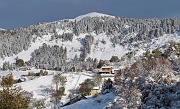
(97, 80)
(59, 82)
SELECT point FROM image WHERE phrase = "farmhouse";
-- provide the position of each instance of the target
(108, 70)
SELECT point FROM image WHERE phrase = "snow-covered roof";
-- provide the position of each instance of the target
(115, 69)
(107, 67)
(122, 67)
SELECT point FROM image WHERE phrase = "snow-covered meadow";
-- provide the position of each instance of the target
(37, 86)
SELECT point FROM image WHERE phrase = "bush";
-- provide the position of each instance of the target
(39, 104)
(73, 69)
(61, 91)
(103, 41)
(86, 87)
(5, 66)
(114, 59)
(100, 64)
(19, 62)
(31, 74)
(7, 81)
(41, 72)
(45, 73)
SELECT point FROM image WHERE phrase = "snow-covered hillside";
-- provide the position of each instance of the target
(112, 36)
(99, 50)
(91, 103)
(37, 86)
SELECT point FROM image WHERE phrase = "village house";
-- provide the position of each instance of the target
(108, 70)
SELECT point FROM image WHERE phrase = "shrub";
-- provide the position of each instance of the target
(7, 81)
(86, 87)
(39, 104)
(114, 59)
(100, 64)
(103, 41)
(45, 73)
(19, 62)
(61, 91)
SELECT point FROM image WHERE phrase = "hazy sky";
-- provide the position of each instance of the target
(18, 13)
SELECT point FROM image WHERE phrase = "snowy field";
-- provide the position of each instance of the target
(91, 103)
(37, 86)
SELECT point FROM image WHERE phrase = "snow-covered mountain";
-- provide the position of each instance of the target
(70, 43)
(109, 35)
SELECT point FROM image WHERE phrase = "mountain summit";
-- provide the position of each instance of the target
(92, 14)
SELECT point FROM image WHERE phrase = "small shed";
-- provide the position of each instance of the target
(114, 71)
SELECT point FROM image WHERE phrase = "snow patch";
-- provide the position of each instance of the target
(2, 29)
